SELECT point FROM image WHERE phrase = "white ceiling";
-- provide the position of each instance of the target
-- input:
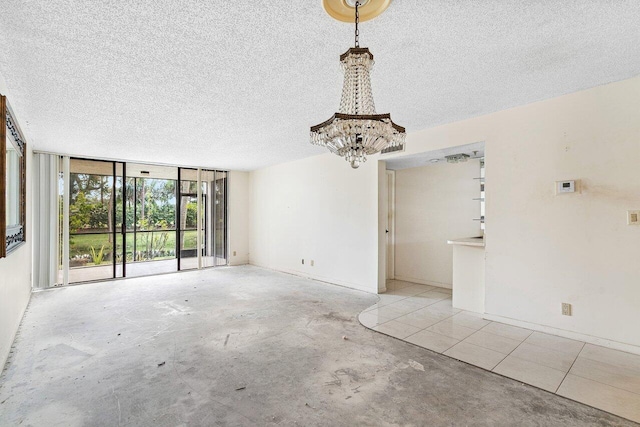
(236, 85)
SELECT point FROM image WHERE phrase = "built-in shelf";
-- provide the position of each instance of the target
(469, 241)
(480, 199)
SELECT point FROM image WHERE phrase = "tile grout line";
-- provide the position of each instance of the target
(510, 353)
(491, 370)
(447, 318)
(439, 321)
(433, 332)
(512, 326)
(547, 349)
(422, 329)
(570, 367)
(494, 334)
(538, 346)
(506, 376)
(502, 336)
(490, 333)
(547, 391)
(522, 342)
(450, 349)
(507, 355)
(590, 379)
(413, 311)
(609, 363)
(600, 382)
(478, 366)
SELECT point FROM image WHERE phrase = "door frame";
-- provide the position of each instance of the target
(391, 224)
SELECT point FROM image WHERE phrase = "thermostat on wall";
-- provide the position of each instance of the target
(565, 187)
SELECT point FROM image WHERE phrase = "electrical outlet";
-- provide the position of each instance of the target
(311, 263)
(566, 309)
(563, 187)
(633, 217)
(302, 261)
(234, 253)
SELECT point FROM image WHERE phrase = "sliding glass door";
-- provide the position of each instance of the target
(151, 219)
(219, 220)
(191, 221)
(128, 219)
(203, 218)
(93, 236)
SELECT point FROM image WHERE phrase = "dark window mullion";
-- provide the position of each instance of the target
(124, 220)
(114, 244)
(178, 211)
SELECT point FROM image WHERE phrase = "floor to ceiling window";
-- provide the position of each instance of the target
(191, 214)
(92, 237)
(151, 202)
(219, 189)
(205, 205)
(127, 219)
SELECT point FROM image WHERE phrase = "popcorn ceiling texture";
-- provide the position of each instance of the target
(236, 85)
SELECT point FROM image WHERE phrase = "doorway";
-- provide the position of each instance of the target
(390, 229)
(432, 197)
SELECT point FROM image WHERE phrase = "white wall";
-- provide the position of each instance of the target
(434, 203)
(15, 269)
(542, 249)
(238, 217)
(319, 209)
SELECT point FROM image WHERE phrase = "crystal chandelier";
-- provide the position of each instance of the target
(356, 131)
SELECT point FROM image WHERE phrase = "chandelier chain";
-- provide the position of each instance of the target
(357, 22)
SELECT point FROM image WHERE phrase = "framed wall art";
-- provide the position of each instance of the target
(12, 181)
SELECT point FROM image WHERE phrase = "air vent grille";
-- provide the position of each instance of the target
(393, 149)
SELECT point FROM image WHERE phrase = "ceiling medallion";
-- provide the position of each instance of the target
(342, 10)
(356, 131)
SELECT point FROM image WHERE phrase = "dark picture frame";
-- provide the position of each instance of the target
(13, 168)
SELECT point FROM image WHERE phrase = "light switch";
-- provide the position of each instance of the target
(633, 217)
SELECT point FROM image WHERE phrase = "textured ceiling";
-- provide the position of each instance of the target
(237, 84)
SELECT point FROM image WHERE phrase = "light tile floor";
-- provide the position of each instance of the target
(597, 376)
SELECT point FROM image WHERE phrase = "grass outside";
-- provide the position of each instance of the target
(80, 245)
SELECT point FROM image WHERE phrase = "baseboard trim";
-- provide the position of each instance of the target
(5, 358)
(331, 281)
(616, 345)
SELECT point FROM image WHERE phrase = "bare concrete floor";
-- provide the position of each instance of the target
(245, 346)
